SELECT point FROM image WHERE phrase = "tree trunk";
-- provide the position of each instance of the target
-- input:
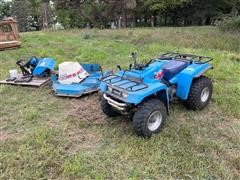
(165, 20)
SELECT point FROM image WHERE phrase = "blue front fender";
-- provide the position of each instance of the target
(138, 96)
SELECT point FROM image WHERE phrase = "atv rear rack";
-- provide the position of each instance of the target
(185, 57)
(124, 84)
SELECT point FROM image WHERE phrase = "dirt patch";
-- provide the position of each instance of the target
(81, 139)
(87, 109)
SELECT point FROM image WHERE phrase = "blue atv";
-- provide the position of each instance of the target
(144, 91)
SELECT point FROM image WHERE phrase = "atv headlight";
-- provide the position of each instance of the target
(124, 95)
(110, 89)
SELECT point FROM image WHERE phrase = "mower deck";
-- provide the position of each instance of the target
(90, 84)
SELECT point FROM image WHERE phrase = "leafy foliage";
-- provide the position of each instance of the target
(30, 14)
(164, 5)
(4, 8)
(229, 23)
(125, 13)
(138, 12)
(21, 11)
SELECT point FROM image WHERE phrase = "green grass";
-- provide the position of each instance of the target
(46, 137)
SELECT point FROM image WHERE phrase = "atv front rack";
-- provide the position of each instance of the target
(185, 57)
(124, 84)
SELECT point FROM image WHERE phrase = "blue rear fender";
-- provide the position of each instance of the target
(185, 77)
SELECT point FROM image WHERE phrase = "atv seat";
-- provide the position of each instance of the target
(172, 68)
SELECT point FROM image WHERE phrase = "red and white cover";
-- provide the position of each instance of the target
(71, 72)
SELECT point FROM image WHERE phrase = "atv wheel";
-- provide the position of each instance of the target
(108, 109)
(200, 93)
(149, 117)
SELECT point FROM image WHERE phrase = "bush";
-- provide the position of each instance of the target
(228, 23)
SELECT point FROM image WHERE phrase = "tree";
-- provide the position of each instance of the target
(125, 13)
(93, 13)
(41, 13)
(21, 10)
(235, 4)
(5, 7)
(165, 8)
(31, 14)
(69, 12)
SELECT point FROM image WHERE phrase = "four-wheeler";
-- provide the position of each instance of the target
(144, 91)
